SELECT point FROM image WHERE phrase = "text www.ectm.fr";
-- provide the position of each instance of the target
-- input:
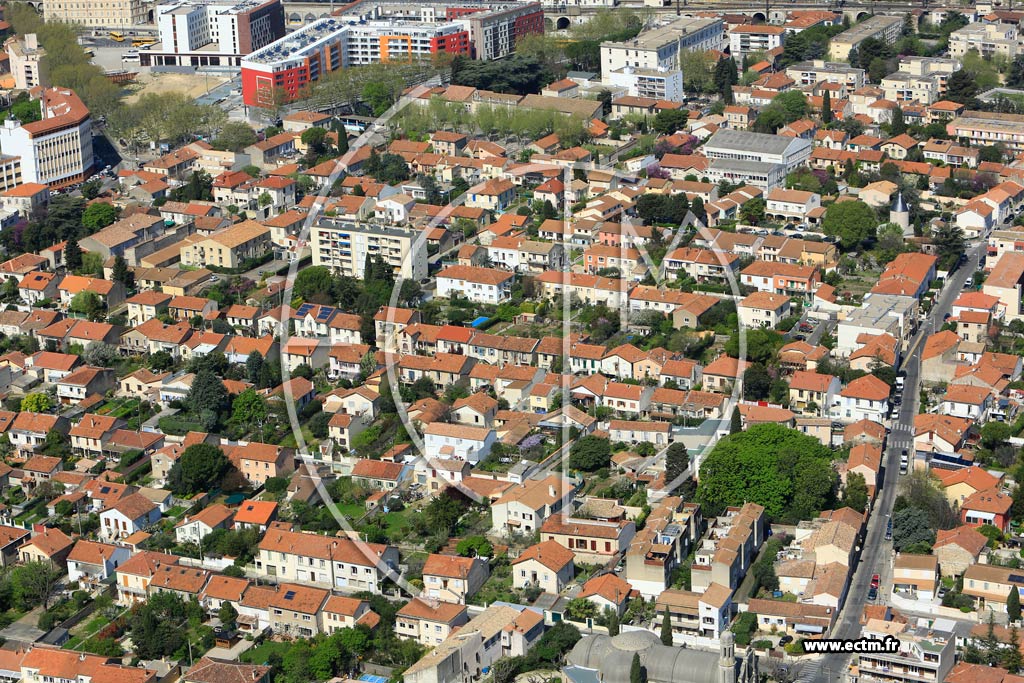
(832, 645)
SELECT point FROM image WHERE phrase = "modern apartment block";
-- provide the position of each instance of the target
(984, 129)
(343, 246)
(194, 33)
(926, 653)
(820, 71)
(368, 33)
(881, 27)
(57, 149)
(987, 39)
(24, 56)
(659, 48)
(98, 13)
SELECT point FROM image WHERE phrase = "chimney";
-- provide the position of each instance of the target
(551, 490)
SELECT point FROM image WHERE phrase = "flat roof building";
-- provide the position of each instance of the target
(881, 27)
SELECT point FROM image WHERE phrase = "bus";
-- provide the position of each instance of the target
(143, 42)
(116, 37)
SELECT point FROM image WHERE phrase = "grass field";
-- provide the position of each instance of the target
(261, 653)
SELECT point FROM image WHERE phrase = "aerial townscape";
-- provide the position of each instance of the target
(591, 341)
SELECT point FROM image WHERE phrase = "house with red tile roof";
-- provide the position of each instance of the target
(865, 398)
(429, 622)
(450, 578)
(547, 565)
(988, 507)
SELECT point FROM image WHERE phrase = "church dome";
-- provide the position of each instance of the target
(635, 641)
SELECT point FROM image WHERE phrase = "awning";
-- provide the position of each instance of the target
(809, 628)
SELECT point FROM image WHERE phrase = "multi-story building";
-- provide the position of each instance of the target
(325, 560)
(368, 33)
(659, 48)
(57, 149)
(98, 13)
(658, 84)
(820, 71)
(343, 246)
(24, 56)
(741, 145)
(494, 28)
(748, 38)
(880, 27)
(919, 653)
(987, 39)
(228, 248)
(218, 33)
(984, 129)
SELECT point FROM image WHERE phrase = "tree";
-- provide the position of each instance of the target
(87, 304)
(253, 365)
(36, 403)
(200, 467)
(756, 382)
(897, 125)
(911, 525)
(637, 674)
(787, 472)
(735, 421)
(1013, 604)
(855, 494)
(752, 211)
(889, 237)
(122, 273)
(208, 394)
(1012, 659)
(666, 629)
(677, 460)
(590, 454)
(826, 108)
(101, 354)
(249, 408)
(962, 87)
(72, 255)
(235, 136)
(474, 546)
(34, 583)
(98, 215)
(668, 121)
(227, 615)
(950, 244)
(852, 222)
(443, 513)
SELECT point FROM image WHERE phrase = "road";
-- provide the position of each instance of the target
(832, 667)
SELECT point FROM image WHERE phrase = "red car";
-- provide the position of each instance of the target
(875, 581)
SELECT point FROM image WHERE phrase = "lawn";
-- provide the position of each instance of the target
(261, 653)
(350, 511)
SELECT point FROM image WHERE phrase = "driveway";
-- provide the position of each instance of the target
(24, 630)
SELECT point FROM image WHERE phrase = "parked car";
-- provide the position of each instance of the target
(872, 594)
(875, 580)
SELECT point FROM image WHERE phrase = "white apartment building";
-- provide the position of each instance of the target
(57, 149)
(925, 652)
(659, 47)
(218, 32)
(748, 38)
(344, 246)
(881, 27)
(658, 84)
(987, 39)
(820, 71)
(24, 57)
